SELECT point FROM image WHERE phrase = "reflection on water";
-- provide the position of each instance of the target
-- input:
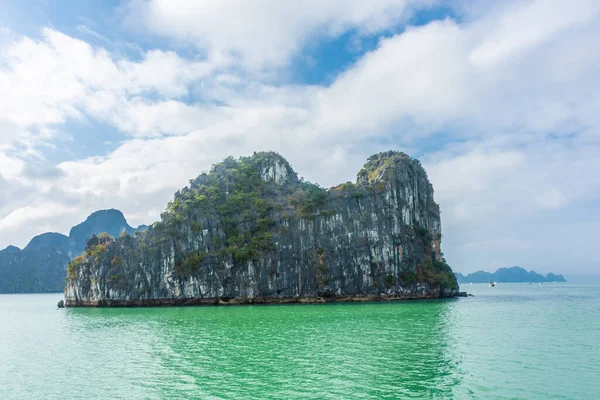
(507, 342)
(329, 351)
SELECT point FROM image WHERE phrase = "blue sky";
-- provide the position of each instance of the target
(119, 103)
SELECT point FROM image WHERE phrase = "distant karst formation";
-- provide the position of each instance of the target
(41, 267)
(514, 274)
(250, 231)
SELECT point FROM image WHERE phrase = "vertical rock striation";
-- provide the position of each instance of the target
(250, 231)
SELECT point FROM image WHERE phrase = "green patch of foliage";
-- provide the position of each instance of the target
(73, 267)
(377, 187)
(247, 208)
(436, 273)
(308, 198)
(244, 250)
(191, 264)
(243, 201)
(348, 186)
(423, 235)
(377, 163)
(97, 251)
(409, 277)
(327, 213)
(117, 280)
(347, 190)
(363, 175)
(430, 269)
(196, 226)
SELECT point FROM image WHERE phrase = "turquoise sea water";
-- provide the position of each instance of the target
(511, 341)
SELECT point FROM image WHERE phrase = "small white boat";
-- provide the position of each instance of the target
(492, 284)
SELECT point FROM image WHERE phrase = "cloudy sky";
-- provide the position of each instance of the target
(118, 104)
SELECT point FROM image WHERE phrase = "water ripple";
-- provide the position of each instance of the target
(513, 341)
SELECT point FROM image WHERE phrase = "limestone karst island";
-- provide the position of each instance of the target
(251, 232)
(269, 199)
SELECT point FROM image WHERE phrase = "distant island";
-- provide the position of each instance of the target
(41, 267)
(508, 275)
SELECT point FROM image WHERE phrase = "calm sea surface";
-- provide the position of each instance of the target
(511, 341)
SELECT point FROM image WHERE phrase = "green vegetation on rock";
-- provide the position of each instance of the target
(73, 267)
(242, 200)
(245, 203)
(378, 163)
(250, 227)
(433, 268)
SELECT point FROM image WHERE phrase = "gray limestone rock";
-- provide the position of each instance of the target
(250, 231)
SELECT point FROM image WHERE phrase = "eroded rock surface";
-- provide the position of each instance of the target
(250, 231)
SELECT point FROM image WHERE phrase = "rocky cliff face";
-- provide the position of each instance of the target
(250, 231)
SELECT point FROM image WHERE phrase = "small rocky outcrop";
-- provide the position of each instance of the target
(250, 231)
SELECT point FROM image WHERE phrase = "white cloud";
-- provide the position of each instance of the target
(10, 167)
(502, 110)
(528, 25)
(492, 199)
(265, 33)
(470, 172)
(425, 81)
(414, 80)
(59, 78)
